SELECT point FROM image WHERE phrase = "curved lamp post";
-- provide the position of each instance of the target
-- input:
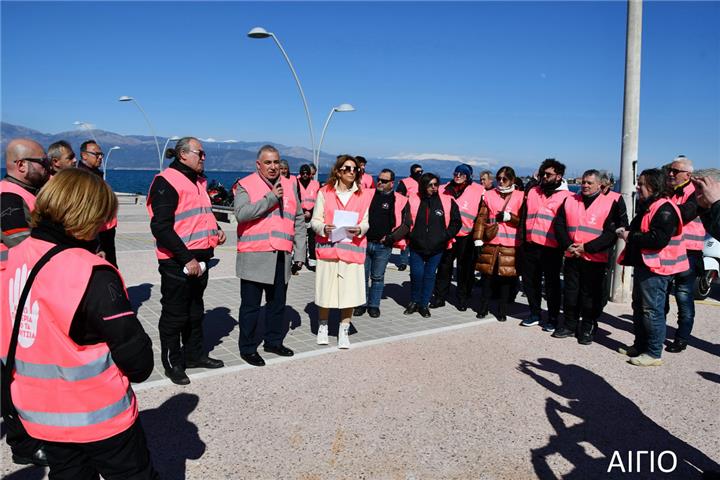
(107, 161)
(86, 126)
(174, 138)
(343, 107)
(125, 98)
(259, 32)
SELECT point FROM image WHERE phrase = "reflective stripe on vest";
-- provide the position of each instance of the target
(693, 231)
(273, 231)
(506, 234)
(541, 211)
(195, 223)
(468, 204)
(582, 224)
(673, 258)
(308, 195)
(354, 250)
(400, 202)
(29, 199)
(63, 392)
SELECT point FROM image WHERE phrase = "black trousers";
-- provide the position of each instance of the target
(122, 456)
(539, 262)
(311, 243)
(276, 325)
(583, 294)
(498, 287)
(183, 309)
(107, 245)
(21, 444)
(462, 251)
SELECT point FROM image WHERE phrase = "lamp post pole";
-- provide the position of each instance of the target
(259, 32)
(86, 126)
(343, 107)
(125, 98)
(107, 161)
(173, 138)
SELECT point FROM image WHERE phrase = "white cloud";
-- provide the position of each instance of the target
(419, 157)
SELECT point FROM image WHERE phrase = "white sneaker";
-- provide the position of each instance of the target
(322, 336)
(343, 337)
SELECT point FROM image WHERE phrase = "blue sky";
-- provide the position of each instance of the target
(502, 82)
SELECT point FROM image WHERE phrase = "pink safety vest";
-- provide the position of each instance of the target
(367, 181)
(28, 198)
(445, 200)
(195, 223)
(669, 260)
(469, 204)
(349, 252)
(273, 231)
(308, 195)
(507, 235)
(400, 202)
(586, 225)
(541, 211)
(411, 185)
(63, 392)
(693, 231)
(615, 196)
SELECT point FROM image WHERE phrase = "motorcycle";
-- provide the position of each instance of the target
(711, 268)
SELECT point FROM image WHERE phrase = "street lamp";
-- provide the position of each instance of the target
(259, 32)
(174, 138)
(87, 126)
(343, 107)
(125, 98)
(107, 160)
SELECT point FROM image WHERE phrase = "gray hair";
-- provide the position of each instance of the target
(606, 178)
(182, 145)
(267, 148)
(687, 163)
(57, 149)
(284, 163)
(592, 172)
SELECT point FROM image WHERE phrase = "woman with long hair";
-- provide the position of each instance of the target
(340, 271)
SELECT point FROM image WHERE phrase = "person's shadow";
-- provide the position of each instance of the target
(217, 324)
(609, 422)
(138, 294)
(333, 320)
(31, 472)
(172, 438)
(400, 293)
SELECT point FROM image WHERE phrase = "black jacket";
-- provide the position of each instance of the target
(663, 226)
(429, 234)
(603, 242)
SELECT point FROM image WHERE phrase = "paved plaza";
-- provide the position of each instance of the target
(447, 397)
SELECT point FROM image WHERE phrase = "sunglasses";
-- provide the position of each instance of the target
(459, 174)
(382, 181)
(199, 153)
(348, 169)
(96, 154)
(418, 172)
(433, 184)
(45, 162)
(502, 179)
(548, 174)
(675, 171)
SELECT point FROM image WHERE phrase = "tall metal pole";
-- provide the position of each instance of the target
(125, 98)
(622, 280)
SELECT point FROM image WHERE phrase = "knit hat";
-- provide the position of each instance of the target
(464, 168)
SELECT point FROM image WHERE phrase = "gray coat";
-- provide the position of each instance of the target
(260, 266)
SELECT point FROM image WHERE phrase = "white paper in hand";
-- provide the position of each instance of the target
(343, 219)
(203, 267)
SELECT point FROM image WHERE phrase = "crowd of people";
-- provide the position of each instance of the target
(76, 337)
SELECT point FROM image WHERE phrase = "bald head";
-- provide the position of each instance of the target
(26, 161)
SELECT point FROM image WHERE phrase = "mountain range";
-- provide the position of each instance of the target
(138, 152)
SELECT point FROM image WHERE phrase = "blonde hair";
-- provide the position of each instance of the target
(334, 176)
(77, 199)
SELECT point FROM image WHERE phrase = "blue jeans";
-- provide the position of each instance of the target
(376, 259)
(422, 277)
(404, 257)
(648, 304)
(685, 296)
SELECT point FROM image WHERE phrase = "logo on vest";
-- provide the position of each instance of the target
(385, 206)
(464, 205)
(31, 310)
(592, 220)
(439, 212)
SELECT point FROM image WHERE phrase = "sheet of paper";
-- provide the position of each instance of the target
(339, 235)
(345, 218)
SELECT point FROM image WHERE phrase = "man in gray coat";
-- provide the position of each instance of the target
(271, 231)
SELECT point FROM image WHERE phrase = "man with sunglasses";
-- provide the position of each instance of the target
(61, 156)
(541, 253)
(390, 221)
(684, 196)
(91, 157)
(28, 169)
(409, 186)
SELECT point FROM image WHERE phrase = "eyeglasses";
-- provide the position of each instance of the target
(95, 154)
(459, 174)
(418, 172)
(548, 174)
(502, 179)
(382, 181)
(348, 169)
(675, 171)
(199, 153)
(45, 162)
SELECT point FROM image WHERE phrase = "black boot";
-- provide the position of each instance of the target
(483, 310)
(502, 311)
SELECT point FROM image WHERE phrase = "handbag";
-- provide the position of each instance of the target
(9, 412)
(491, 229)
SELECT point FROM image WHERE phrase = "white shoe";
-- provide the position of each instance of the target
(343, 337)
(322, 336)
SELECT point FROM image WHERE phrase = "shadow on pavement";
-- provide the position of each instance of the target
(609, 422)
(217, 324)
(333, 320)
(28, 473)
(138, 294)
(399, 293)
(710, 376)
(294, 319)
(172, 438)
